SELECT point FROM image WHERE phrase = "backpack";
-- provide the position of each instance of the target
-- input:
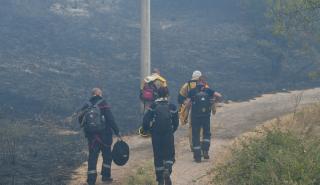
(93, 121)
(162, 118)
(201, 104)
(148, 92)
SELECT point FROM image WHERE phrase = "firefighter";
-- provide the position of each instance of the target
(150, 86)
(161, 120)
(149, 93)
(201, 100)
(184, 110)
(98, 123)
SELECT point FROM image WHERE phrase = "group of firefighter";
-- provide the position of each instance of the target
(196, 105)
(160, 121)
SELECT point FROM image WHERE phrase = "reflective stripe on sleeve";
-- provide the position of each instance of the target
(160, 168)
(174, 111)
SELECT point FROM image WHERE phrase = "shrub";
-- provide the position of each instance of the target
(278, 158)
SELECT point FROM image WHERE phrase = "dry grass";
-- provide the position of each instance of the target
(144, 175)
(285, 150)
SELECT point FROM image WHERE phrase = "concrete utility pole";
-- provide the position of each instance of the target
(145, 39)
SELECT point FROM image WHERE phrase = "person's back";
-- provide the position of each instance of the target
(201, 99)
(98, 122)
(150, 86)
(184, 90)
(162, 121)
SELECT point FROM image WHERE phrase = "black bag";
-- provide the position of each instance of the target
(120, 153)
(201, 104)
(93, 121)
(162, 118)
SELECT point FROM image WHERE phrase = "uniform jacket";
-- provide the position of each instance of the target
(105, 110)
(149, 116)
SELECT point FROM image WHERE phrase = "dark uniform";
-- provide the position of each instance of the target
(201, 119)
(162, 121)
(100, 141)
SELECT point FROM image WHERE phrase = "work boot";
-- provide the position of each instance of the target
(161, 182)
(197, 160)
(205, 154)
(87, 183)
(166, 176)
(106, 179)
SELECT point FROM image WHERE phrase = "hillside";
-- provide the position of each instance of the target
(53, 52)
(30, 150)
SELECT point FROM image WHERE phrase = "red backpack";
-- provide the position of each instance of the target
(148, 92)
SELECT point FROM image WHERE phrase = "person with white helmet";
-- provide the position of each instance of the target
(183, 93)
(201, 100)
(184, 115)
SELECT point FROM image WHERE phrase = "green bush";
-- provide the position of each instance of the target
(277, 159)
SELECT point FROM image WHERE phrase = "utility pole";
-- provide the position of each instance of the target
(145, 40)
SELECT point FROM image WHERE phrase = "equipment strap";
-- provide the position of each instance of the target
(189, 84)
(97, 103)
(97, 140)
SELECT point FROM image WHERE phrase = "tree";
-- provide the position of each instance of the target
(291, 17)
(287, 32)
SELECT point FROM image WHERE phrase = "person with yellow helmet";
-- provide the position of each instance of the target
(150, 86)
(149, 93)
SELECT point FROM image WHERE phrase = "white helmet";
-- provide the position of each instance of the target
(196, 74)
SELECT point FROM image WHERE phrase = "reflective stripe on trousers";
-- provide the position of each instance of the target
(106, 166)
(92, 172)
(206, 140)
(168, 162)
(197, 148)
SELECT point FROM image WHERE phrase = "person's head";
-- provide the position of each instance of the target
(163, 92)
(96, 92)
(196, 75)
(200, 85)
(202, 79)
(156, 70)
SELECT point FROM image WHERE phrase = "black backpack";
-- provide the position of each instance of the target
(162, 118)
(201, 104)
(93, 121)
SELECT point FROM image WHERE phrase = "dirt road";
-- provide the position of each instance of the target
(230, 121)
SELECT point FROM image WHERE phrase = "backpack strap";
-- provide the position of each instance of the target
(189, 84)
(97, 103)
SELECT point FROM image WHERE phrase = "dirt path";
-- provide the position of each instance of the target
(231, 120)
